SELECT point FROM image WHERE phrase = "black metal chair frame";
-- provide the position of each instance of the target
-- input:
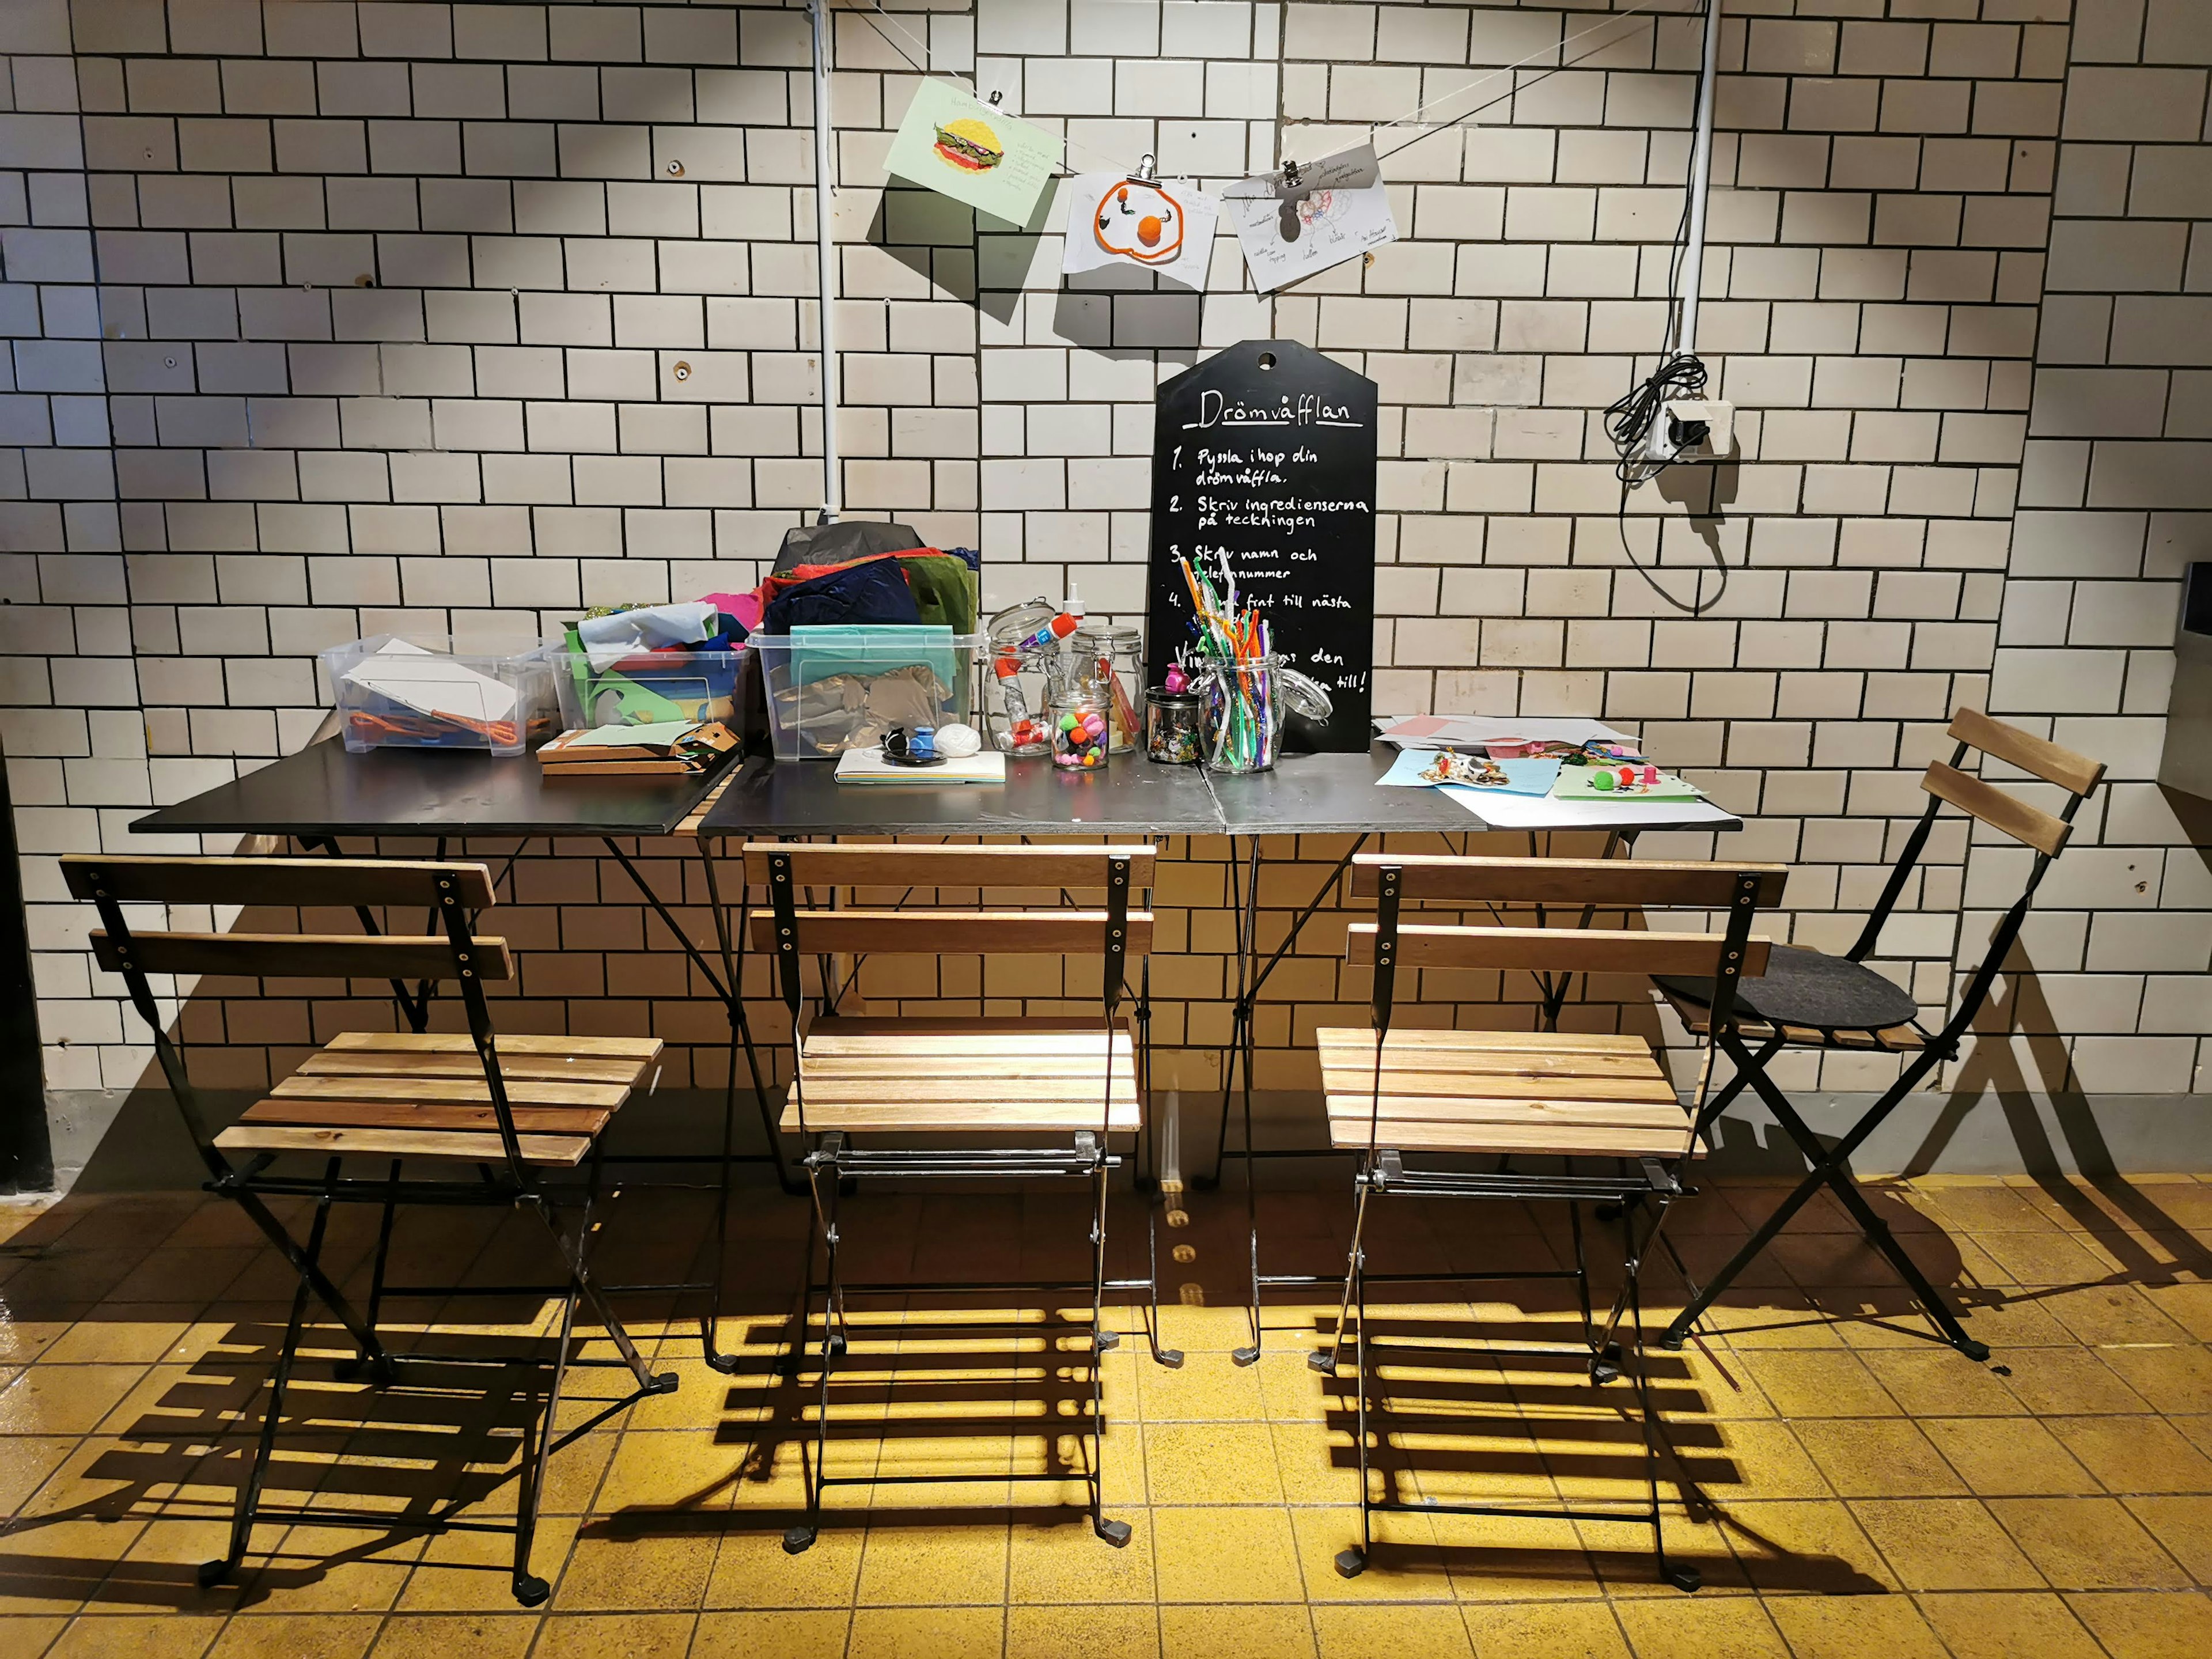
(1651, 1185)
(515, 1186)
(414, 1007)
(1830, 1163)
(1238, 1055)
(831, 1162)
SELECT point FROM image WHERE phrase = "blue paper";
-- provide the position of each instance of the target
(1523, 777)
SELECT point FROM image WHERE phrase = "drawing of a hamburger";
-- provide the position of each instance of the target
(970, 145)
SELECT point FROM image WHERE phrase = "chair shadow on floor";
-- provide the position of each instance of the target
(1501, 1411)
(977, 1410)
(439, 1445)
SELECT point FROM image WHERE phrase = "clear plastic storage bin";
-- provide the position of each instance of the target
(422, 692)
(647, 687)
(830, 690)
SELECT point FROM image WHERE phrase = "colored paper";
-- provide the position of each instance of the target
(1523, 777)
(1164, 225)
(1336, 211)
(961, 147)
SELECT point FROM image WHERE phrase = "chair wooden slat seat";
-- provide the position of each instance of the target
(439, 1054)
(941, 1076)
(405, 1095)
(1578, 1098)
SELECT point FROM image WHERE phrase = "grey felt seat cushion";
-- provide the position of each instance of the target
(1810, 988)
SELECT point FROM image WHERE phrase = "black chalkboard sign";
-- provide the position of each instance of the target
(1266, 452)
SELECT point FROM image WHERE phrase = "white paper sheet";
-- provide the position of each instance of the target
(431, 684)
(1336, 211)
(1164, 225)
(1467, 731)
(607, 640)
(1504, 811)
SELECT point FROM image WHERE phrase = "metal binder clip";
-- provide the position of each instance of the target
(996, 99)
(1148, 170)
(1291, 175)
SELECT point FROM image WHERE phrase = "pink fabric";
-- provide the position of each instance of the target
(745, 607)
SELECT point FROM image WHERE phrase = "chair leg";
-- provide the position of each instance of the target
(798, 1539)
(530, 1589)
(377, 1361)
(1351, 1563)
(347, 1370)
(575, 1256)
(1830, 1169)
(710, 1327)
(1170, 1358)
(1250, 1354)
(1116, 1532)
(256, 1473)
(1324, 1359)
(1681, 1576)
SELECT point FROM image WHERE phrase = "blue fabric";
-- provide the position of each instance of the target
(875, 592)
(974, 558)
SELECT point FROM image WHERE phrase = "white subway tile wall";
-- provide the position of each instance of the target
(329, 318)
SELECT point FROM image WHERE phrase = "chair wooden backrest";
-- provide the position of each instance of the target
(450, 891)
(784, 867)
(2044, 833)
(1589, 884)
(789, 932)
(2005, 812)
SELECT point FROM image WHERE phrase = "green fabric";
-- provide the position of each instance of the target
(946, 591)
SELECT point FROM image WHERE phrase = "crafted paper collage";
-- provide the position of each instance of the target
(1164, 225)
(961, 147)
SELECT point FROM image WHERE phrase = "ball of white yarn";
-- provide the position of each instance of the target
(957, 742)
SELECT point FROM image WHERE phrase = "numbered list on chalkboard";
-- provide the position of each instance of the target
(1265, 456)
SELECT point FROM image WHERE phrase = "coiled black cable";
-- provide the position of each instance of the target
(1629, 422)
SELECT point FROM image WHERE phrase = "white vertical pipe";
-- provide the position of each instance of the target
(1701, 172)
(825, 260)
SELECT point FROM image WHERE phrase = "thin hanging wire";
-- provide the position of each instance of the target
(1484, 80)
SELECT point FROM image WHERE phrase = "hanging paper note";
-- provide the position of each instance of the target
(1155, 224)
(1307, 218)
(973, 153)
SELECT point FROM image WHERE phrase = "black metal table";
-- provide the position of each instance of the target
(323, 793)
(1130, 796)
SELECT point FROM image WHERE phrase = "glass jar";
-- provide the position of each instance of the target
(1172, 728)
(1116, 657)
(1014, 729)
(1242, 708)
(1080, 721)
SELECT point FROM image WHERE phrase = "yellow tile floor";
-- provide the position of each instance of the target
(1847, 1487)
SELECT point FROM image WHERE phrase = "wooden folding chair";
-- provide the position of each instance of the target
(504, 1108)
(1574, 1118)
(1001, 1083)
(1808, 998)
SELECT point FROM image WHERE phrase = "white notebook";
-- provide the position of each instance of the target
(869, 766)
